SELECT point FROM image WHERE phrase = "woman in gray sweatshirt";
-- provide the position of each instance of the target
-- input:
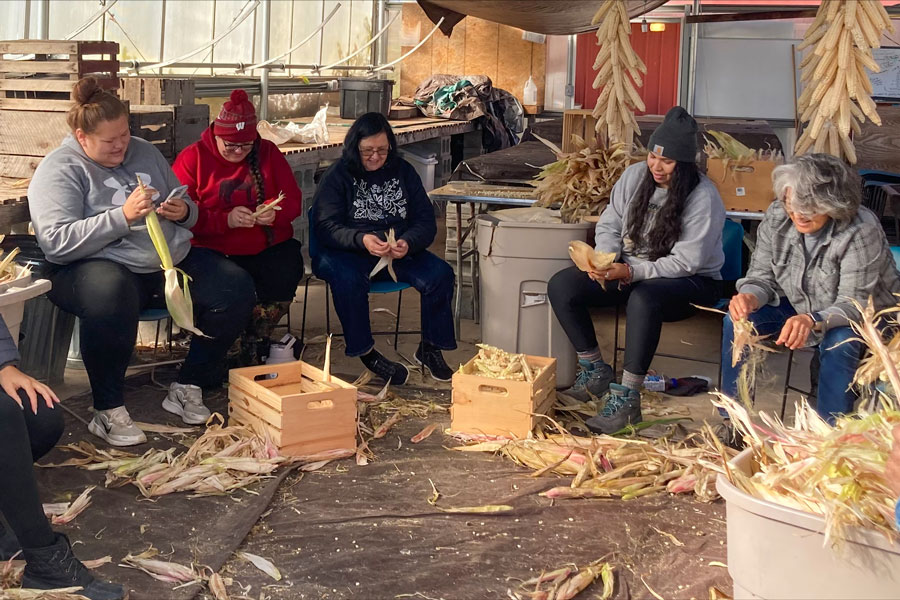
(664, 223)
(88, 213)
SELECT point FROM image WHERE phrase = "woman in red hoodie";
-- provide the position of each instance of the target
(230, 173)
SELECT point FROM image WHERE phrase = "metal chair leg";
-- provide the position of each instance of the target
(305, 300)
(397, 325)
(721, 339)
(156, 339)
(787, 383)
(169, 345)
(327, 311)
(616, 343)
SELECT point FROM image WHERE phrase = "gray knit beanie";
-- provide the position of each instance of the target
(676, 136)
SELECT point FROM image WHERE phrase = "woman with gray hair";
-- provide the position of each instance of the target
(817, 251)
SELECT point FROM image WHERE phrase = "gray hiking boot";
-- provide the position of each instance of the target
(623, 407)
(116, 427)
(592, 380)
(186, 401)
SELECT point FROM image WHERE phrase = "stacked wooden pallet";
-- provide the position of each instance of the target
(156, 90)
(170, 127)
(36, 81)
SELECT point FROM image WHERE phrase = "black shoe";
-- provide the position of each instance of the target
(9, 545)
(388, 370)
(433, 360)
(623, 407)
(55, 566)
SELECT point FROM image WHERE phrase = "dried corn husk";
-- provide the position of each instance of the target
(262, 564)
(588, 259)
(271, 205)
(837, 92)
(735, 154)
(386, 261)
(581, 181)
(499, 364)
(65, 512)
(161, 570)
(565, 583)
(8, 268)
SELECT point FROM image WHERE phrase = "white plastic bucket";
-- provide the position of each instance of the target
(776, 552)
(13, 295)
(424, 166)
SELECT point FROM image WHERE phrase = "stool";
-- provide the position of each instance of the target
(787, 379)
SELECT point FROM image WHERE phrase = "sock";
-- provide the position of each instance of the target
(632, 381)
(591, 359)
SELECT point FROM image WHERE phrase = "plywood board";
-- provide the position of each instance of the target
(539, 70)
(482, 48)
(456, 50)
(31, 133)
(416, 67)
(440, 48)
(513, 71)
(18, 166)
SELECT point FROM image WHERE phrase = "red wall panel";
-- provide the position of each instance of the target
(658, 50)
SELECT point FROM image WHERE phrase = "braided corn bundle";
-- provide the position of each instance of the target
(837, 95)
(617, 66)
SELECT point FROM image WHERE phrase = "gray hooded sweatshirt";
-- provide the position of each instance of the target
(76, 207)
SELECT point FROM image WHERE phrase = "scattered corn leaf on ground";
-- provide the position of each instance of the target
(496, 363)
(566, 582)
(605, 466)
(837, 92)
(581, 181)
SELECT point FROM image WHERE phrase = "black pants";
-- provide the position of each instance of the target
(108, 298)
(276, 271)
(649, 304)
(24, 438)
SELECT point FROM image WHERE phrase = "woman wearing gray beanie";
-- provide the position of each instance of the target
(664, 223)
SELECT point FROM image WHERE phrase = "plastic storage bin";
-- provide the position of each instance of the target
(360, 96)
(776, 552)
(13, 295)
(516, 260)
(424, 166)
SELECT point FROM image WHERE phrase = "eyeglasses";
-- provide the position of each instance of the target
(370, 152)
(229, 147)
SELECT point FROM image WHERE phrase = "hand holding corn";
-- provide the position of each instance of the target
(375, 246)
(241, 216)
(138, 203)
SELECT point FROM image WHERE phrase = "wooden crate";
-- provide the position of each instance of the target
(155, 126)
(302, 413)
(488, 406)
(189, 121)
(156, 90)
(45, 82)
(579, 122)
(26, 137)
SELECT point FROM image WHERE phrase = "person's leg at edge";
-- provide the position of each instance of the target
(572, 293)
(107, 298)
(840, 356)
(433, 278)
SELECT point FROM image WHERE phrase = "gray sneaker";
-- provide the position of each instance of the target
(186, 401)
(590, 382)
(623, 407)
(116, 427)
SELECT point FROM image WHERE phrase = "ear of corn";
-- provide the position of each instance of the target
(835, 81)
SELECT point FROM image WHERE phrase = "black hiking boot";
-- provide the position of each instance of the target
(55, 566)
(9, 545)
(591, 382)
(623, 407)
(388, 370)
(433, 360)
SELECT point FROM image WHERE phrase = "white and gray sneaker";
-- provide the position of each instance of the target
(186, 401)
(116, 427)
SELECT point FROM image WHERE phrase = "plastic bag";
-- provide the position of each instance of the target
(315, 132)
(528, 214)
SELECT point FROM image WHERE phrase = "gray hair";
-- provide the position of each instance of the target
(821, 184)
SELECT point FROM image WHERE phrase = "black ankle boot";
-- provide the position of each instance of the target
(9, 545)
(388, 370)
(55, 566)
(433, 360)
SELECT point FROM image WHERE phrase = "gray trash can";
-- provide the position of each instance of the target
(516, 260)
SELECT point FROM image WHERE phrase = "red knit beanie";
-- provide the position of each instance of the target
(237, 119)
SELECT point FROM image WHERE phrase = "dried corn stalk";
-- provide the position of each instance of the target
(617, 65)
(499, 364)
(605, 466)
(566, 582)
(836, 96)
(723, 146)
(836, 472)
(581, 181)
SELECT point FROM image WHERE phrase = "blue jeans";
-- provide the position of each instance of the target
(839, 359)
(348, 275)
(108, 298)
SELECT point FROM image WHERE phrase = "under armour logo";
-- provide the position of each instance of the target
(239, 126)
(122, 191)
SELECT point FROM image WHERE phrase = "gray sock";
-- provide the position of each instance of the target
(632, 381)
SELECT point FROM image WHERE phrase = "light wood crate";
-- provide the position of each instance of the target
(156, 90)
(487, 406)
(578, 121)
(301, 412)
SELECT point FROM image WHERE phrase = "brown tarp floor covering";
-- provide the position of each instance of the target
(369, 532)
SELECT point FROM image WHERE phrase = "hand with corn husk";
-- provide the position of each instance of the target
(742, 306)
(139, 203)
(241, 216)
(12, 380)
(376, 246)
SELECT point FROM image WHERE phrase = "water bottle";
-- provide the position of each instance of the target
(529, 97)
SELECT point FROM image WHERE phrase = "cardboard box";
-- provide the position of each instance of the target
(746, 187)
(487, 406)
(301, 412)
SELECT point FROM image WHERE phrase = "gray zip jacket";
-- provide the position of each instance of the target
(852, 262)
(697, 252)
(9, 354)
(76, 207)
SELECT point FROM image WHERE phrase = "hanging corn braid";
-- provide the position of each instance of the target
(256, 175)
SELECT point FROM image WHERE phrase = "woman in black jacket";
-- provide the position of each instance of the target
(370, 191)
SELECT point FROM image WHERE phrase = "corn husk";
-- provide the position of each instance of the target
(735, 154)
(497, 363)
(65, 512)
(8, 268)
(69, 593)
(161, 570)
(262, 564)
(271, 205)
(837, 92)
(581, 181)
(386, 261)
(566, 582)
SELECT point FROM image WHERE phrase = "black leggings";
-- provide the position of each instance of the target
(24, 438)
(649, 304)
(276, 271)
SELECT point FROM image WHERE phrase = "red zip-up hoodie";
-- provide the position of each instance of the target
(217, 186)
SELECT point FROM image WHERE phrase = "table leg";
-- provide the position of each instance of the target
(459, 262)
